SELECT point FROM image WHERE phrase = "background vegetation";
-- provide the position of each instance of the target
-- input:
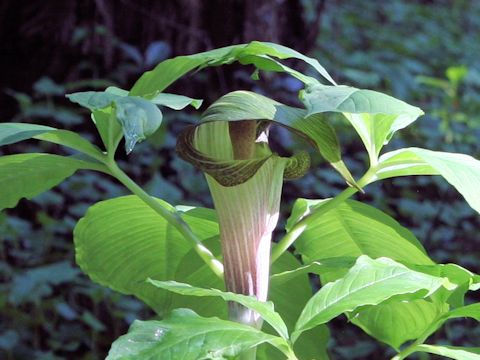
(424, 52)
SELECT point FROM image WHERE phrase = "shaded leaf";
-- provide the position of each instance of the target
(27, 175)
(397, 322)
(11, 133)
(260, 54)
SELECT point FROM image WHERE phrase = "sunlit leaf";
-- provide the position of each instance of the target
(453, 352)
(461, 171)
(264, 309)
(121, 242)
(368, 282)
(185, 335)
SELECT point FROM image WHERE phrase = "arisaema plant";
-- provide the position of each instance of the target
(221, 289)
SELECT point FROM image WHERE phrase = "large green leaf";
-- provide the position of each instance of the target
(353, 229)
(27, 175)
(397, 322)
(14, 132)
(245, 105)
(122, 242)
(264, 309)
(368, 282)
(260, 54)
(11, 133)
(375, 116)
(461, 171)
(453, 352)
(187, 336)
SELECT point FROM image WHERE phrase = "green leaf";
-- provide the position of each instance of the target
(290, 297)
(397, 322)
(245, 105)
(72, 140)
(260, 54)
(324, 266)
(94, 100)
(461, 171)
(121, 242)
(453, 352)
(139, 118)
(27, 175)
(264, 309)
(187, 336)
(11, 133)
(176, 102)
(470, 311)
(14, 132)
(375, 116)
(353, 229)
(368, 282)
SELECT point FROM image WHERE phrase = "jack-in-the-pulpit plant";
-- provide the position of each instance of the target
(220, 287)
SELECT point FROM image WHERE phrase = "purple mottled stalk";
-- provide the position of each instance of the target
(248, 213)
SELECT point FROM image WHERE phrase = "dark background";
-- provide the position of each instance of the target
(424, 52)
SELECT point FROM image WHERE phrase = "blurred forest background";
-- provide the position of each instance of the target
(424, 52)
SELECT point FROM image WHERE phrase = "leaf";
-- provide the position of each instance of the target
(368, 282)
(289, 298)
(260, 54)
(72, 140)
(316, 267)
(264, 309)
(176, 102)
(245, 105)
(11, 133)
(461, 171)
(397, 322)
(14, 132)
(139, 118)
(187, 336)
(94, 100)
(353, 229)
(121, 242)
(453, 352)
(27, 175)
(375, 116)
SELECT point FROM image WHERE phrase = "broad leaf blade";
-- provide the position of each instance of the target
(353, 229)
(410, 319)
(185, 335)
(375, 116)
(461, 171)
(11, 133)
(453, 352)
(72, 140)
(260, 54)
(369, 282)
(264, 309)
(27, 175)
(121, 242)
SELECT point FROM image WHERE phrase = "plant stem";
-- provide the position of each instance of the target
(171, 216)
(317, 211)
